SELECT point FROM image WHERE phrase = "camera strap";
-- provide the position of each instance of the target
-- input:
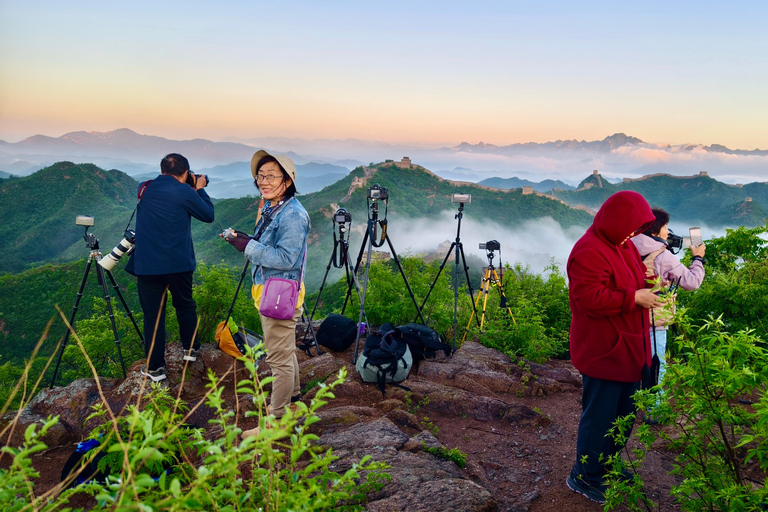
(142, 188)
(383, 224)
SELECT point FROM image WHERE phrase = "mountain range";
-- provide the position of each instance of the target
(617, 156)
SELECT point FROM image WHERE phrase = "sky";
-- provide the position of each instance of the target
(407, 72)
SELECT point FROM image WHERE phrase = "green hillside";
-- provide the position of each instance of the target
(697, 199)
(38, 213)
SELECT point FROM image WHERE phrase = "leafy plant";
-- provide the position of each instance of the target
(155, 462)
(715, 405)
(453, 454)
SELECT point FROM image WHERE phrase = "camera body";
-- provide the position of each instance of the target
(461, 198)
(342, 216)
(109, 261)
(378, 192)
(674, 242)
(491, 245)
(192, 179)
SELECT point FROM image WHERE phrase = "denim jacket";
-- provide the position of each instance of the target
(280, 250)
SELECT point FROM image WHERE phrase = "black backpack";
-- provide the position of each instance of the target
(385, 358)
(337, 332)
(423, 341)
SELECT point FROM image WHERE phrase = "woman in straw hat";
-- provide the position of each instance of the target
(279, 252)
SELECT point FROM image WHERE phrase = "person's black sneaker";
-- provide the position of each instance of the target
(577, 485)
(155, 375)
(296, 398)
(191, 355)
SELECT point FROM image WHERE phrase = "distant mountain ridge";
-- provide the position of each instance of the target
(541, 186)
(698, 199)
(606, 145)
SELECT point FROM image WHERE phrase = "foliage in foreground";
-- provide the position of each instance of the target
(155, 461)
(713, 414)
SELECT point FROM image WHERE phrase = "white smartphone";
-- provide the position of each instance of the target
(695, 233)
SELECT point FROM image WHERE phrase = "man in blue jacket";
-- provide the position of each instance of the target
(164, 258)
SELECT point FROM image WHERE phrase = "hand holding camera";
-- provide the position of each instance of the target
(236, 239)
(197, 181)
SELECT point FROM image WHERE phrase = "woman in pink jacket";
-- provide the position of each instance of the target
(653, 247)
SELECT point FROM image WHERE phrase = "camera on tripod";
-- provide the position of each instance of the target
(378, 192)
(109, 261)
(491, 245)
(342, 216)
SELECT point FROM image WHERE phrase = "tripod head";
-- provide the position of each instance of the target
(375, 194)
(90, 239)
(343, 219)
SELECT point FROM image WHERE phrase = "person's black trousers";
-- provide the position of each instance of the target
(602, 402)
(152, 298)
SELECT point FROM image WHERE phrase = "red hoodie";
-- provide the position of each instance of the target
(608, 331)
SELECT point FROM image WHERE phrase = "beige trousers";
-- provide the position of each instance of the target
(280, 342)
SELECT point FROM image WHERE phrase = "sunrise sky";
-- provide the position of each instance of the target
(438, 72)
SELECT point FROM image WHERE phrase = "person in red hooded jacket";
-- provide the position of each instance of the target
(609, 299)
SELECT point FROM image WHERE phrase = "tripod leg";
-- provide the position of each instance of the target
(312, 330)
(402, 273)
(369, 238)
(322, 284)
(352, 280)
(108, 299)
(504, 295)
(431, 286)
(366, 238)
(474, 312)
(469, 282)
(486, 289)
(72, 319)
(125, 305)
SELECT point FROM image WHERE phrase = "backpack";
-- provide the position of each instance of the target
(423, 341)
(234, 344)
(386, 358)
(337, 332)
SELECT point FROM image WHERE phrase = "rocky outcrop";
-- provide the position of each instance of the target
(476, 385)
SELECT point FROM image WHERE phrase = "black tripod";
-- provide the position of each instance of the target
(339, 257)
(375, 195)
(458, 247)
(93, 244)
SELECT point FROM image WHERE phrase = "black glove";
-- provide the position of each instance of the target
(239, 241)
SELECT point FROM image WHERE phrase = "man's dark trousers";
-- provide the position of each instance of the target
(602, 402)
(152, 297)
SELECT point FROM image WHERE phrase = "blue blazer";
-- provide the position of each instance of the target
(163, 226)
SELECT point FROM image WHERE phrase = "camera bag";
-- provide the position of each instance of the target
(385, 358)
(234, 344)
(337, 332)
(423, 341)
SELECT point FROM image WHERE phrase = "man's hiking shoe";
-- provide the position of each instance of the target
(191, 355)
(155, 375)
(577, 485)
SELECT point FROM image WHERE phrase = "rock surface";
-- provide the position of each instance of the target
(474, 386)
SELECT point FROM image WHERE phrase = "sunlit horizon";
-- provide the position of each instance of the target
(427, 73)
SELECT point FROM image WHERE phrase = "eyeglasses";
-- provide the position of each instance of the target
(269, 178)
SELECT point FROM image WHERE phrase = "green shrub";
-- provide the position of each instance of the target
(712, 428)
(453, 454)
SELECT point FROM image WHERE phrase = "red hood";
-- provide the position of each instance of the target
(623, 214)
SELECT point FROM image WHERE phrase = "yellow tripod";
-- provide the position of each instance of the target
(490, 278)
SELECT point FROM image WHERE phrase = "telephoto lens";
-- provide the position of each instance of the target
(109, 261)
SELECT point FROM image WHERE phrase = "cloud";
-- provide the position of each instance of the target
(532, 242)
